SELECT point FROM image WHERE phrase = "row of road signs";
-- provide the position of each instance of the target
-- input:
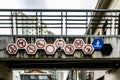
(50, 49)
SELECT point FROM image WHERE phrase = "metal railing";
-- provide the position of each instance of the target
(59, 22)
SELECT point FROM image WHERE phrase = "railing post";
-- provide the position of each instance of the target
(36, 24)
(16, 23)
(41, 23)
(86, 22)
(66, 23)
(61, 23)
(12, 24)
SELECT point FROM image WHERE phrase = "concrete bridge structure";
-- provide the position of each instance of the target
(66, 39)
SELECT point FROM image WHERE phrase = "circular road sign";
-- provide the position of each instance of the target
(79, 43)
(88, 49)
(31, 49)
(59, 43)
(12, 48)
(50, 49)
(40, 43)
(69, 49)
(21, 43)
(97, 43)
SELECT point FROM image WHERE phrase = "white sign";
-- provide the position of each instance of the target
(59, 43)
(79, 43)
(21, 43)
(40, 43)
(31, 49)
(12, 48)
(88, 49)
(69, 49)
(50, 49)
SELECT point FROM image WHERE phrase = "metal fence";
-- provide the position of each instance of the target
(59, 22)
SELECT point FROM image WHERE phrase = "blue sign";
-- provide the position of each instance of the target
(97, 43)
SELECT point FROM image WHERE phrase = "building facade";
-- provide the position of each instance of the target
(112, 74)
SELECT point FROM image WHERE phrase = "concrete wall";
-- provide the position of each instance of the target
(98, 74)
(5, 73)
(113, 75)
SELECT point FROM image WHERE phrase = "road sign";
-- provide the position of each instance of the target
(106, 49)
(40, 43)
(59, 43)
(69, 49)
(97, 43)
(21, 43)
(12, 48)
(50, 49)
(79, 43)
(88, 49)
(31, 49)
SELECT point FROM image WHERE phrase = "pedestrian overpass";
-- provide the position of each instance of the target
(59, 39)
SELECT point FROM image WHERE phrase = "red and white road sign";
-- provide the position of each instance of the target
(88, 49)
(40, 43)
(59, 43)
(79, 43)
(50, 49)
(21, 43)
(69, 49)
(12, 48)
(31, 49)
